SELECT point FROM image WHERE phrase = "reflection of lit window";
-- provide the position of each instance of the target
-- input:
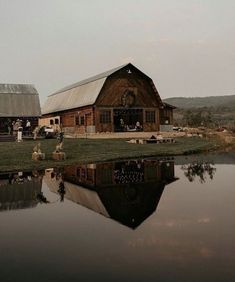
(83, 173)
(89, 174)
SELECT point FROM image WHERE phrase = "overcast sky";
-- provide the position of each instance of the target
(186, 46)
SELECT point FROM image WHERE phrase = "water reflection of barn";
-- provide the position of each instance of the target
(18, 190)
(127, 191)
(123, 172)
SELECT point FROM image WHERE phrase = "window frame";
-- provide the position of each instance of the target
(150, 116)
(105, 117)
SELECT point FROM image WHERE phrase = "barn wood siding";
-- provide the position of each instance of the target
(149, 126)
(166, 114)
(68, 119)
(103, 127)
(116, 84)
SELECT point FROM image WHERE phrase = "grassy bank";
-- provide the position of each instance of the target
(15, 156)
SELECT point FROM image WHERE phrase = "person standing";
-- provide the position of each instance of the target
(28, 127)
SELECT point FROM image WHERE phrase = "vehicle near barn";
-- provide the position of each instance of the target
(51, 123)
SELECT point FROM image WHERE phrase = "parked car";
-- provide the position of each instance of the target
(47, 132)
(177, 128)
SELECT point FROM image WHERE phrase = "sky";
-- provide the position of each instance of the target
(186, 46)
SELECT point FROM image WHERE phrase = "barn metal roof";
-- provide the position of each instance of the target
(76, 97)
(19, 100)
(82, 93)
(91, 79)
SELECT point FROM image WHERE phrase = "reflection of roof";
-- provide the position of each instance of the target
(19, 100)
(78, 194)
(132, 204)
(129, 204)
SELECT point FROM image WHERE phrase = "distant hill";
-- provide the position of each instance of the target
(211, 111)
(200, 102)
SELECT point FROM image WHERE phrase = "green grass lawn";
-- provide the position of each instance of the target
(14, 156)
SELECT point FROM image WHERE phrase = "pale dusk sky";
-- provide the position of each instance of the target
(186, 46)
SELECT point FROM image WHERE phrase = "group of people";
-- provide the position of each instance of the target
(125, 127)
(17, 125)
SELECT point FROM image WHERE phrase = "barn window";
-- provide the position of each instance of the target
(77, 120)
(150, 116)
(105, 117)
(56, 121)
(51, 121)
(80, 120)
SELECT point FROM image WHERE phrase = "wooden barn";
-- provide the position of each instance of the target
(18, 102)
(121, 99)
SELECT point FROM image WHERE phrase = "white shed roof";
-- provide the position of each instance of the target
(19, 100)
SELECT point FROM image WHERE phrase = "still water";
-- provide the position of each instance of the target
(137, 220)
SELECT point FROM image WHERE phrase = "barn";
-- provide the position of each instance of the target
(18, 101)
(119, 100)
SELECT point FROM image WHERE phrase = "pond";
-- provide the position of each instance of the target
(155, 219)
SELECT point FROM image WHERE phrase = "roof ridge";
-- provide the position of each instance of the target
(18, 84)
(15, 88)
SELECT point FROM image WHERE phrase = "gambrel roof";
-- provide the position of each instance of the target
(80, 94)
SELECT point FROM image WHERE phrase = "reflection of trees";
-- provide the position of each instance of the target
(191, 171)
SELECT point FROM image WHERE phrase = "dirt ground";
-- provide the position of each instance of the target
(126, 135)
